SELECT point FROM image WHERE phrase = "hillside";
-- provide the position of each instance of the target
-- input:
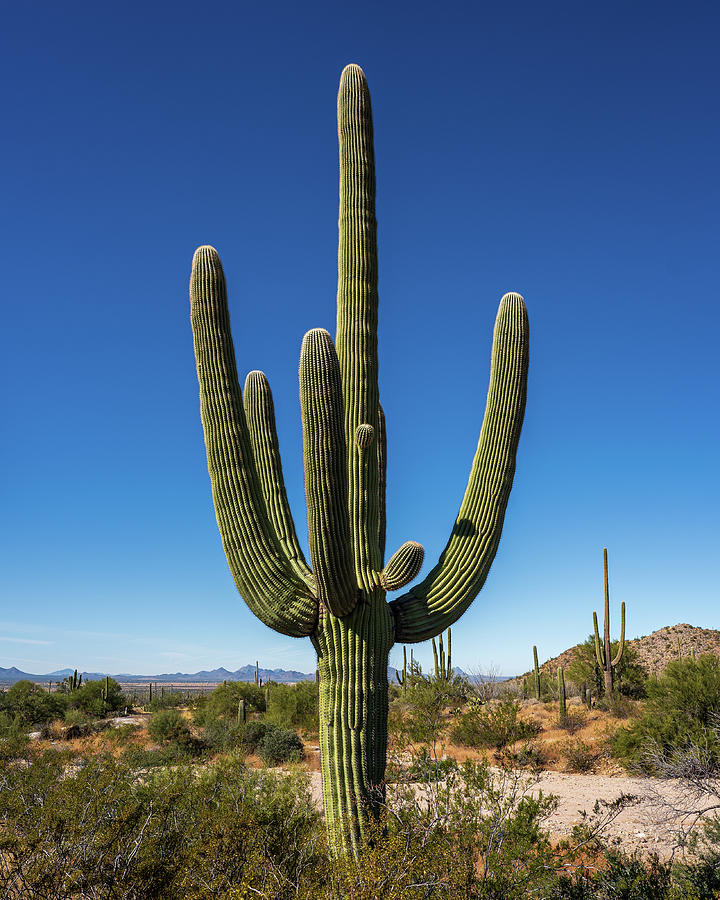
(656, 650)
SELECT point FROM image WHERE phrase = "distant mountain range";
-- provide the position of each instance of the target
(215, 676)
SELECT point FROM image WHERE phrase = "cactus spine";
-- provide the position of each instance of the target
(536, 670)
(561, 695)
(340, 603)
(603, 654)
(443, 668)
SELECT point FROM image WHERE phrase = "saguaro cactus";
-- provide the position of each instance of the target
(443, 667)
(603, 653)
(561, 695)
(536, 671)
(340, 603)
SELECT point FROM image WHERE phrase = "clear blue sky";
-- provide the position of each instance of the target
(564, 150)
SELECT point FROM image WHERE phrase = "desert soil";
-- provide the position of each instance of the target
(641, 827)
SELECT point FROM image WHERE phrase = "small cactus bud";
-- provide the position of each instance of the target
(364, 435)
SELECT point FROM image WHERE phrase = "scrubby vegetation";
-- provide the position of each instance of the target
(681, 710)
(123, 820)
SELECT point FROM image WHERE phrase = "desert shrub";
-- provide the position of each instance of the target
(166, 700)
(580, 756)
(75, 717)
(122, 734)
(222, 704)
(681, 709)
(573, 721)
(88, 698)
(294, 706)
(253, 734)
(495, 725)
(279, 745)
(97, 830)
(527, 756)
(29, 704)
(475, 835)
(222, 735)
(168, 725)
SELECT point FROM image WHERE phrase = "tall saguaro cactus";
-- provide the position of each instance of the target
(340, 603)
(603, 653)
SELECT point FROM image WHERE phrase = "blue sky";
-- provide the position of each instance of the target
(566, 151)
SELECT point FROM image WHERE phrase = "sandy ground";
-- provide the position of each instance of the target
(639, 827)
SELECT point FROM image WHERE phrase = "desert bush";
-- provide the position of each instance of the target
(279, 745)
(29, 704)
(294, 706)
(580, 757)
(223, 735)
(573, 721)
(169, 726)
(222, 703)
(681, 709)
(166, 700)
(95, 830)
(495, 725)
(89, 699)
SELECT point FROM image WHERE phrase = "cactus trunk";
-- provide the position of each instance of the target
(353, 656)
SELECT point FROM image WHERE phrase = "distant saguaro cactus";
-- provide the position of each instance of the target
(443, 668)
(603, 653)
(561, 695)
(536, 671)
(340, 603)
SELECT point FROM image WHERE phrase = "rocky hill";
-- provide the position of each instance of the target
(654, 651)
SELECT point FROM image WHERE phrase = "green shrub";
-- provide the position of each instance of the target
(280, 745)
(89, 698)
(253, 734)
(97, 830)
(167, 700)
(168, 725)
(29, 704)
(580, 757)
(294, 706)
(681, 709)
(223, 702)
(494, 725)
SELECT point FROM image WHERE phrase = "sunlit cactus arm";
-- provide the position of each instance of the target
(621, 647)
(264, 575)
(325, 455)
(260, 416)
(357, 315)
(444, 595)
(599, 655)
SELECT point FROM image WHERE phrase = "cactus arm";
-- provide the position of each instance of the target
(621, 648)
(437, 662)
(598, 649)
(382, 481)
(403, 566)
(441, 651)
(260, 417)
(449, 589)
(262, 572)
(357, 316)
(449, 654)
(324, 453)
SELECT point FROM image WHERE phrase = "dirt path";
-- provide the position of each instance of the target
(640, 827)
